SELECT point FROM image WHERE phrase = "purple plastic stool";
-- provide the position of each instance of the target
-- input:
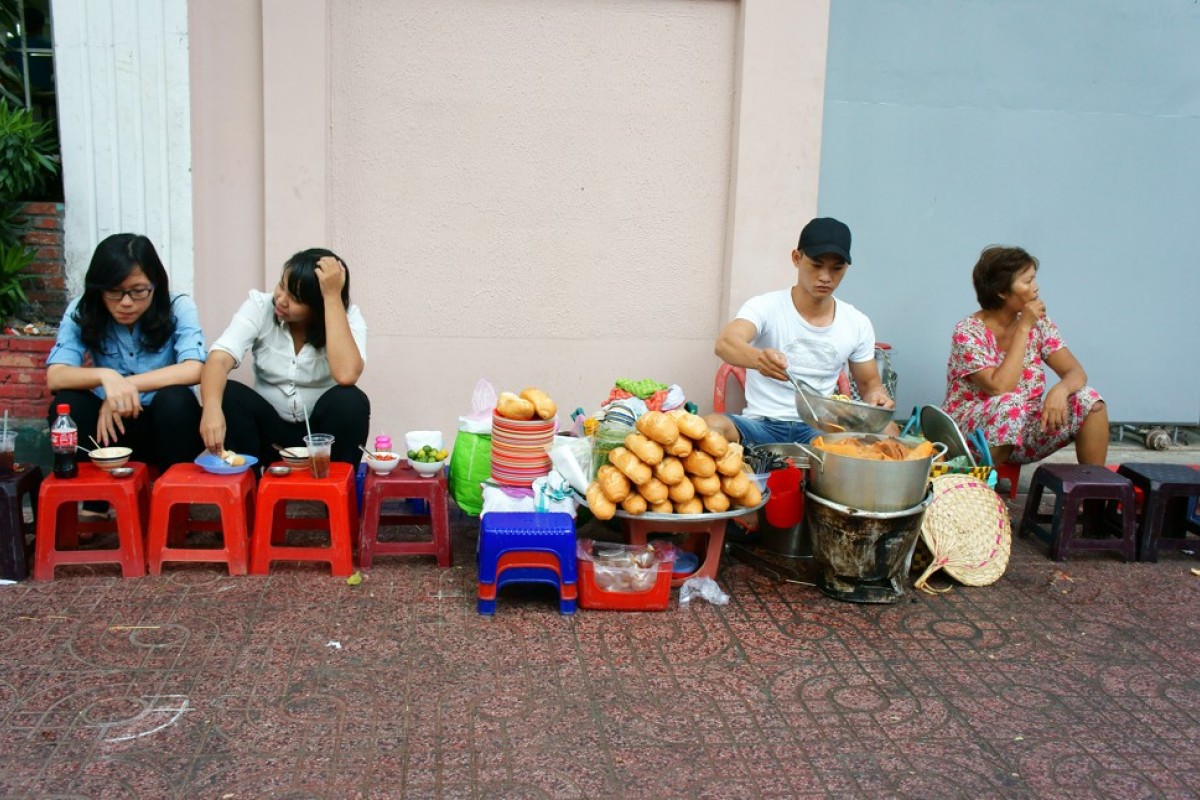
(1074, 485)
(1164, 521)
(14, 551)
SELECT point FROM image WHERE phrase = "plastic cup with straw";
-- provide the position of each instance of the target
(319, 447)
(8, 448)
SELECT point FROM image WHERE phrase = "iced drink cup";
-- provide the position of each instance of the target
(8, 452)
(319, 447)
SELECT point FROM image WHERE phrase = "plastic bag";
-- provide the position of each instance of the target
(572, 457)
(471, 463)
(470, 466)
(483, 402)
(704, 588)
(625, 568)
(552, 493)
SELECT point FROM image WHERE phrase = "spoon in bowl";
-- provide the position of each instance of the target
(284, 451)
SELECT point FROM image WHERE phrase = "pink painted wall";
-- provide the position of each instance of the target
(546, 192)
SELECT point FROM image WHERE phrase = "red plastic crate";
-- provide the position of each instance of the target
(592, 597)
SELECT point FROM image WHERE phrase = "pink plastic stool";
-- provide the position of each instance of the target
(58, 522)
(271, 521)
(175, 492)
(404, 483)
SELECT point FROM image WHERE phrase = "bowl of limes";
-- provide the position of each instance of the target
(427, 460)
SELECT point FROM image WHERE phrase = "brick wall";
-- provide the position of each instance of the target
(23, 376)
(46, 234)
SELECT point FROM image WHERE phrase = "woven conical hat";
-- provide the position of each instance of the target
(967, 529)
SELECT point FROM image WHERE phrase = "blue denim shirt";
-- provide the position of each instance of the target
(122, 350)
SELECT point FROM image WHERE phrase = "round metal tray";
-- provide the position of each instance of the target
(706, 517)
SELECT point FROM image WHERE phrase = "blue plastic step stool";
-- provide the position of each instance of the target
(503, 532)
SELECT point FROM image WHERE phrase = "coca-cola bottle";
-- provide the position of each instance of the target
(64, 438)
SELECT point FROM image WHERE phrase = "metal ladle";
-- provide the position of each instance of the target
(825, 425)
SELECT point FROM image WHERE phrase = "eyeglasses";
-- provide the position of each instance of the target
(136, 293)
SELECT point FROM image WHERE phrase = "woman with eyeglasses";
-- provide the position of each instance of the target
(146, 349)
(309, 345)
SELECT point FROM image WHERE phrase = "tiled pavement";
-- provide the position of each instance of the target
(1076, 680)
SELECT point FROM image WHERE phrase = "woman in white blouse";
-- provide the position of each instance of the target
(309, 346)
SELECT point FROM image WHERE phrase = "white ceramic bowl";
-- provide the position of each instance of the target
(295, 457)
(108, 458)
(382, 466)
(427, 469)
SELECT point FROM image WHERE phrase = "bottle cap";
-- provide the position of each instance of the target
(63, 408)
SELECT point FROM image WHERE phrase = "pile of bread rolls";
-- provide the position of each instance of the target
(673, 464)
(528, 404)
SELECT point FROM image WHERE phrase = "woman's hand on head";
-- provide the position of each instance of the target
(212, 429)
(121, 394)
(331, 274)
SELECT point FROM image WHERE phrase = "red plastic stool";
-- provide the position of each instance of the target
(1073, 485)
(14, 553)
(1011, 472)
(271, 521)
(638, 530)
(58, 522)
(523, 560)
(1137, 492)
(404, 483)
(175, 492)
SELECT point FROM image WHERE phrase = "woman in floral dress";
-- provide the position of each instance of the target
(995, 381)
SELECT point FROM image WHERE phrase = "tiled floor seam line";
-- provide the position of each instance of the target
(595, 711)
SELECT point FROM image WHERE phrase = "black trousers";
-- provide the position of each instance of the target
(166, 432)
(252, 424)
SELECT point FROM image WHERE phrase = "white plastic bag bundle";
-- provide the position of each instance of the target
(572, 457)
(704, 588)
(483, 402)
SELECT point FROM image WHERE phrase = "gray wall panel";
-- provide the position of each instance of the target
(1071, 132)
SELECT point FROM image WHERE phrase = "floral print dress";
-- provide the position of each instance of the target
(1012, 418)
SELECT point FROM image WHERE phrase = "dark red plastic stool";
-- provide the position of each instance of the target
(14, 552)
(184, 485)
(1164, 522)
(710, 532)
(1074, 485)
(404, 483)
(271, 521)
(58, 522)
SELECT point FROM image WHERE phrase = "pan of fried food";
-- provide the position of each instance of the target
(871, 472)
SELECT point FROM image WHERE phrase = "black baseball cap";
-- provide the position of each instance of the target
(825, 235)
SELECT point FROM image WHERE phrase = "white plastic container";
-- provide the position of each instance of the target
(415, 440)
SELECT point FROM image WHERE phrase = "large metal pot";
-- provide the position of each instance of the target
(870, 485)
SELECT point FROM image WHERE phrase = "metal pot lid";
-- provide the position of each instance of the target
(937, 426)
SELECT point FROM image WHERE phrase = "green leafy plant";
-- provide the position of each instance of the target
(14, 260)
(27, 153)
(28, 159)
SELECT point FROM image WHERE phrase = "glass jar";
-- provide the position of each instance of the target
(608, 437)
